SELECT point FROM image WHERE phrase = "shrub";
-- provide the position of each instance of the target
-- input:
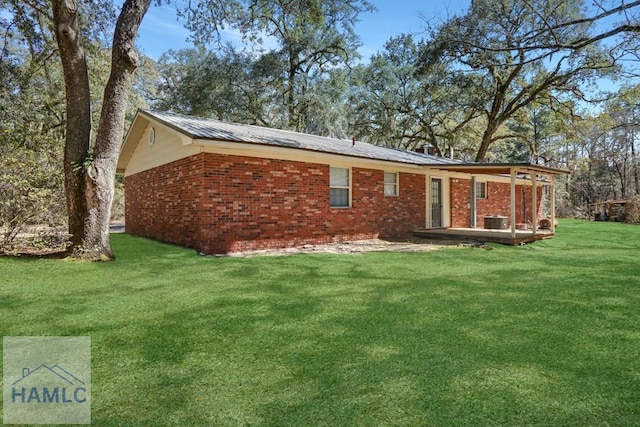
(31, 194)
(632, 211)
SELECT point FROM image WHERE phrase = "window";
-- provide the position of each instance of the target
(390, 184)
(481, 190)
(339, 187)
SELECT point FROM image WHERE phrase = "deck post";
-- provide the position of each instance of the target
(513, 202)
(427, 192)
(474, 203)
(534, 202)
(552, 181)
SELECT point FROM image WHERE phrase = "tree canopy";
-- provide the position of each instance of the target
(313, 37)
(524, 52)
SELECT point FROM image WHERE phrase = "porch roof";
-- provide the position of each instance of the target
(501, 168)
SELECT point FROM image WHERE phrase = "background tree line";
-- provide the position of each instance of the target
(552, 82)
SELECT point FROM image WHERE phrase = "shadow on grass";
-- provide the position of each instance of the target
(348, 345)
(539, 335)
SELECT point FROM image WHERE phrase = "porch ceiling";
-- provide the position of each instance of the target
(501, 168)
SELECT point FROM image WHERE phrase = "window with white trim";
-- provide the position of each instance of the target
(339, 187)
(481, 190)
(390, 184)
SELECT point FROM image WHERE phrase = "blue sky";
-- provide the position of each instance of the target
(160, 30)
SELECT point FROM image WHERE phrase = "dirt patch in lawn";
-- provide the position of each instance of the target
(355, 247)
(56, 248)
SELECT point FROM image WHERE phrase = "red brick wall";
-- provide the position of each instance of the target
(219, 203)
(460, 202)
(165, 203)
(497, 203)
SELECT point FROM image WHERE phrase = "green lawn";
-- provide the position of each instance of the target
(545, 334)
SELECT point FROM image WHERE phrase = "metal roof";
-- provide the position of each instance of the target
(215, 130)
(204, 130)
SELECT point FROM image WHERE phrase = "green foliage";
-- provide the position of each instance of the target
(533, 135)
(523, 53)
(31, 130)
(229, 85)
(398, 101)
(313, 38)
(238, 86)
(544, 334)
(84, 165)
(29, 182)
(602, 151)
(632, 211)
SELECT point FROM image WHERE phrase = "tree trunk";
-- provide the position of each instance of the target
(78, 112)
(93, 195)
(487, 137)
(291, 96)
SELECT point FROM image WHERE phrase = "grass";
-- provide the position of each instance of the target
(545, 334)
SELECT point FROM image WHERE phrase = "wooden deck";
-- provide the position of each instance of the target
(485, 236)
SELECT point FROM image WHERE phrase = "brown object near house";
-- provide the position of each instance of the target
(610, 210)
(545, 224)
(222, 187)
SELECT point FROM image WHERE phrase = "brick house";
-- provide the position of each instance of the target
(221, 187)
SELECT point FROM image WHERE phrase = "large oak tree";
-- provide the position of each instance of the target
(529, 50)
(90, 165)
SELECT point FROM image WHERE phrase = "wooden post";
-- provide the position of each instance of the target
(427, 217)
(552, 181)
(534, 202)
(513, 203)
(474, 203)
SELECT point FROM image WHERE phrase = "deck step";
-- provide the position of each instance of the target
(481, 235)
